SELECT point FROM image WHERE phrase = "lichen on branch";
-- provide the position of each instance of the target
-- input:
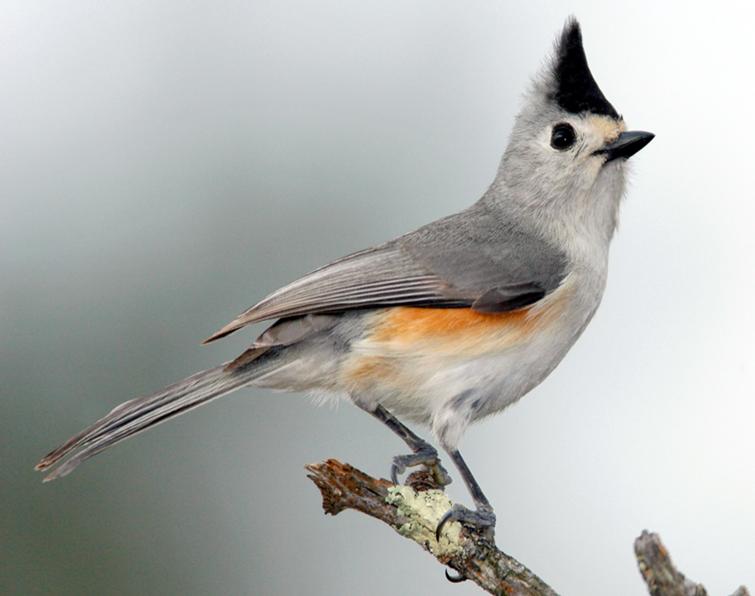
(415, 509)
(414, 512)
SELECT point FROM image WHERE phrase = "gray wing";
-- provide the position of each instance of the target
(486, 253)
(473, 258)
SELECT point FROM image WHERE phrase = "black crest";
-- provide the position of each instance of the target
(575, 89)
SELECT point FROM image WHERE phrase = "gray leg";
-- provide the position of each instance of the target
(482, 517)
(423, 454)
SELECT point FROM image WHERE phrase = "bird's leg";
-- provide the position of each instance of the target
(423, 454)
(483, 516)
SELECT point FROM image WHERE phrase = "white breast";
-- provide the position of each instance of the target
(448, 382)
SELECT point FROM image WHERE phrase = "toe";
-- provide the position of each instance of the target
(482, 518)
(427, 457)
(396, 469)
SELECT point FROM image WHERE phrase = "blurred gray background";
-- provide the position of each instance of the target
(166, 164)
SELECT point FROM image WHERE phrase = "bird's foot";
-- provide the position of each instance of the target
(426, 456)
(481, 519)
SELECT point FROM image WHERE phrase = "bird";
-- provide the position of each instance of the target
(450, 323)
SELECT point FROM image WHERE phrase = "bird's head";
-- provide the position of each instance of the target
(569, 145)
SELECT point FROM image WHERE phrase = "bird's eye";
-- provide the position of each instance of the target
(563, 136)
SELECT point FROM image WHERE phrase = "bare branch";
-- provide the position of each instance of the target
(659, 573)
(414, 511)
(415, 515)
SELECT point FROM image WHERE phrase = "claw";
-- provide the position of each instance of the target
(455, 579)
(425, 456)
(482, 518)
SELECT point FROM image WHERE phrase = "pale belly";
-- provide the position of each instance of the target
(449, 367)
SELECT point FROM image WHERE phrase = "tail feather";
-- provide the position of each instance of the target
(137, 415)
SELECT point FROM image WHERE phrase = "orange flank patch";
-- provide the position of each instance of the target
(403, 341)
(458, 330)
(407, 324)
(402, 332)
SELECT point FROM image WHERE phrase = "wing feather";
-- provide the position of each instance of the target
(477, 258)
(382, 276)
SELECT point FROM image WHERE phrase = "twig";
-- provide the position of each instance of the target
(659, 573)
(415, 515)
(415, 509)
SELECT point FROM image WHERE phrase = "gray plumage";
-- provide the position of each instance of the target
(132, 417)
(453, 262)
(504, 289)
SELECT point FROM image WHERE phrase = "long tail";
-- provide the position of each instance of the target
(137, 415)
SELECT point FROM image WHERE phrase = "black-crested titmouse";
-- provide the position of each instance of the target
(454, 321)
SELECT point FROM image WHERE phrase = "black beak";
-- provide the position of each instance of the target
(626, 145)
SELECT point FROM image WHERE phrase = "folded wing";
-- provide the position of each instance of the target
(472, 259)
